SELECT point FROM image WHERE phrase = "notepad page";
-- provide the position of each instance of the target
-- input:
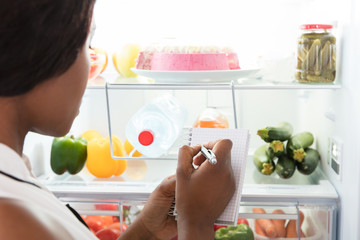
(239, 152)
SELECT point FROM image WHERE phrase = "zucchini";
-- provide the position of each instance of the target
(310, 162)
(263, 162)
(276, 148)
(285, 167)
(297, 144)
(281, 132)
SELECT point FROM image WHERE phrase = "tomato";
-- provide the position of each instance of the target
(94, 224)
(216, 227)
(116, 219)
(242, 220)
(108, 234)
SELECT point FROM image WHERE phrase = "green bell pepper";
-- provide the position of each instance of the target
(68, 154)
(239, 232)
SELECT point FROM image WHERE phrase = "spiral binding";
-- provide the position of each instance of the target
(172, 210)
(188, 137)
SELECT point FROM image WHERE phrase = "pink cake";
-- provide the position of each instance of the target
(187, 59)
(189, 62)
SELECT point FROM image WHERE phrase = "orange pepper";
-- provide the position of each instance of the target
(99, 161)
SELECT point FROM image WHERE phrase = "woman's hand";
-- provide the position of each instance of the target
(153, 221)
(202, 194)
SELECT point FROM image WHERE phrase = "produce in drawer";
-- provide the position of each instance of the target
(279, 224)
(297, 144)
(277, 228)
(263, 162)
(68, 154)
(309, 163)
(291, 227)
(266, 225)
(105, 227)
(281, 132)
(239, 232)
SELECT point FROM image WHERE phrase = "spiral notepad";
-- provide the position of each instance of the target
(239, 151)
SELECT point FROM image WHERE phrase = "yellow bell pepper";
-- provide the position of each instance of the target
(99, 161)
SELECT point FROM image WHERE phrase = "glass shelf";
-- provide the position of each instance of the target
(253, 84)
(257, 187)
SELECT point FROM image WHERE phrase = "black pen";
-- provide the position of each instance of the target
(208, 154)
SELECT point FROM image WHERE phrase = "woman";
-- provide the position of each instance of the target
(44, 68)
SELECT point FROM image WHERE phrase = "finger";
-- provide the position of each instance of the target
(167, 187)
(200, 158)
(185, 159)
(222, 151)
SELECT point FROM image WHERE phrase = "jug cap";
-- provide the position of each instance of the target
(146, 137)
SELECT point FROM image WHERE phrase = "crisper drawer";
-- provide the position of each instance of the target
(267, 220)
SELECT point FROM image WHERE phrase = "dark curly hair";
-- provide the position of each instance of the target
(40, 39)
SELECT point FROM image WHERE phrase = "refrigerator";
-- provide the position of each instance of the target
(264, 34)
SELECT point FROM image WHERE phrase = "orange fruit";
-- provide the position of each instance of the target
(129, 148)
(91, 134)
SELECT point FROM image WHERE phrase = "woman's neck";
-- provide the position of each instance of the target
(12, 130)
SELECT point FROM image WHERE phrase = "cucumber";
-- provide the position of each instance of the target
(297, 144)
(276, 148)
(263, 162)
(285, 167)
(281, 132)
(310, 162)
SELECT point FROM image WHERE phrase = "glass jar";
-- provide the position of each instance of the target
(316, 54)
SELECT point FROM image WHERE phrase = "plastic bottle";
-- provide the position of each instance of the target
(154, 128)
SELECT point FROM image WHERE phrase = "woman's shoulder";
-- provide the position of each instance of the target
(20, 220)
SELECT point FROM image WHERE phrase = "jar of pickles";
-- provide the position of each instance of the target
(316, 54)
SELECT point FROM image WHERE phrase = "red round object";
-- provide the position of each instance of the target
(316, 26)
(108, 234)
(146, 137)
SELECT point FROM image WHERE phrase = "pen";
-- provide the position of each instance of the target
(208, 154)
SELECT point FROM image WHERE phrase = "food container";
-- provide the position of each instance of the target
(316, 54)
(309, 226)
(211, 118)
(310, 229)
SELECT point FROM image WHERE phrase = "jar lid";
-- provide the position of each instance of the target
(316, 26)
